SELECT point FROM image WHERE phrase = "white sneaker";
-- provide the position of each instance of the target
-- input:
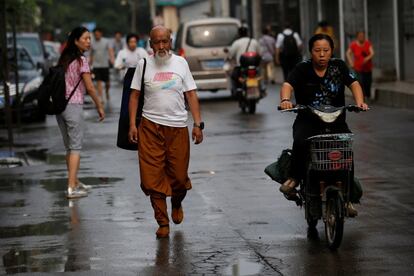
(84, 187)
(76, 193)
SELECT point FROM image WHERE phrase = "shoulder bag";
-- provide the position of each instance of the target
(123, 125)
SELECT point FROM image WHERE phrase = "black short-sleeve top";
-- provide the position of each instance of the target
(310, 89)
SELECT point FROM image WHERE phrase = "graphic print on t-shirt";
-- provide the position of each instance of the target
(164, 80)
(329, 88)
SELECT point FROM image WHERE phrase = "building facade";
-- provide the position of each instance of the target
(389, 24)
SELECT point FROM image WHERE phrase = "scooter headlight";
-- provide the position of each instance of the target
(328, 117)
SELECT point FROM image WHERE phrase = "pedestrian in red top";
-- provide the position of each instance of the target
(359, 55)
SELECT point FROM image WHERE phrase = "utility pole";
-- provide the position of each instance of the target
(244, 14)
(5, 72)
(212, 12)
(225, 8)
(133, 5)
(152, 6)
(16, 66)
(256, 18)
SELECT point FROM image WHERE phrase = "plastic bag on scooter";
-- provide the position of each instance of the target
(355, 192)
(279, 171)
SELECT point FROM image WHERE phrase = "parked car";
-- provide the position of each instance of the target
(52, 50)
(202, 43)
(30, 78)
(35, 47)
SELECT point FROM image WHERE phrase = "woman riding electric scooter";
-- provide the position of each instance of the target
(318, 81)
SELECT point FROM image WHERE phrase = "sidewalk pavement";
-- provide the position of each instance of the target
(398, 94)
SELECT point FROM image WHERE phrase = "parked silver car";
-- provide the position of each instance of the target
(201, 42)
(52, 50)
(30, 78)
(34, 45)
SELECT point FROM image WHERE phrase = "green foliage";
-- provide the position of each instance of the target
(25, 13)
(58, 17)
(109, 15)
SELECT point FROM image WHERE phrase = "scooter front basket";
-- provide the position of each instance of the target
(331, 152)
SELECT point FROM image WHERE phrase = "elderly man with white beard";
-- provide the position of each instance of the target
(164, 144)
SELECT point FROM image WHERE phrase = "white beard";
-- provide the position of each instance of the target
(162, 59)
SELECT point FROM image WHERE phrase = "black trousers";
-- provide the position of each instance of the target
(288, 63)
(235, 74)
(304, 127)
(365, 79)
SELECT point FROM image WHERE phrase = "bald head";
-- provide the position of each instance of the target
(157, 30)
(160, 40)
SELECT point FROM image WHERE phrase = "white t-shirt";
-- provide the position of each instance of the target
(127, 58)
(239, 47)
(165, 85)
(281, 37)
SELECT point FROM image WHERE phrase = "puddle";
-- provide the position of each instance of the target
(243, 267)
(41, 229)
(258, 223)
(14, 204)
(20, 261)
(15, 185)
(52, 185)
(60, 184)
(34, 157)
(11, 162)
(29, 158)
(204, 172)
(238, 132)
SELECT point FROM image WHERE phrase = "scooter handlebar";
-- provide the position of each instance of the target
(354, 108)
(296, 108)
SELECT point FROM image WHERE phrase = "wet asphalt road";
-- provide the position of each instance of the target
(236, 222)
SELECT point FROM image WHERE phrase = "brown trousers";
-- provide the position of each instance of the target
(164, 154)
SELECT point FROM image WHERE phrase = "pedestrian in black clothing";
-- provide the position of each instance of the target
(288, 50)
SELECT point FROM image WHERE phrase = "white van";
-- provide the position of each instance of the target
(202, 42)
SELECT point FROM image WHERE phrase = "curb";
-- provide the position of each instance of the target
(394, 98)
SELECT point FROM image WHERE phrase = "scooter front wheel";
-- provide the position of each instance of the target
(334, 222)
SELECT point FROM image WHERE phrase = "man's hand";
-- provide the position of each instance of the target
(197, 135)
(133, 134)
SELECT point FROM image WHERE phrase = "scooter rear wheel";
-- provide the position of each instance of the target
(252, 106)
(334, 223)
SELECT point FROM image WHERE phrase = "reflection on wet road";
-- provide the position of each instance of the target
(236, 221)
